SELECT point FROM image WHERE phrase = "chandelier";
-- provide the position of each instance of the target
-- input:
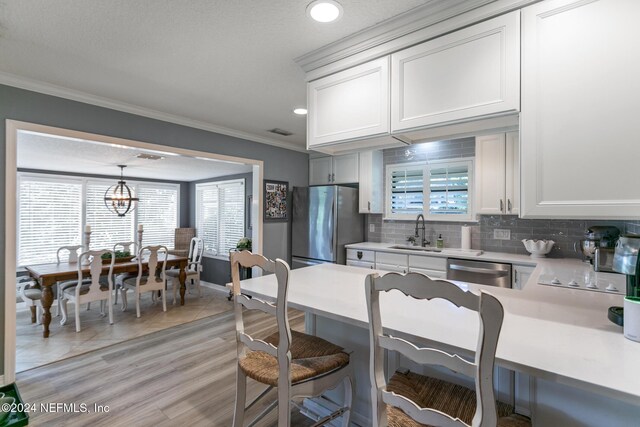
(119, 198)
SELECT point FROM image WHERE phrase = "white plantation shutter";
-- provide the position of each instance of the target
(220, 215)
(107, 228)
(158, 212)
(449, 189)
(406, 189)
(49, 216)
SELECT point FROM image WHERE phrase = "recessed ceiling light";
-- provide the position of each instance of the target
(324, 10)
(300, 111)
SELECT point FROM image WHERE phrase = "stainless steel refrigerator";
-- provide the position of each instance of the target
(324, 220)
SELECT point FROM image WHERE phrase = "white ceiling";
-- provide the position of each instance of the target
(221, 62)
(46, 152)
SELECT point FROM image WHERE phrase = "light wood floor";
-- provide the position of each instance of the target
(32, 350)
(182, 376)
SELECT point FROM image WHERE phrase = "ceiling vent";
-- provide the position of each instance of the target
(145, 156)
(282, 132)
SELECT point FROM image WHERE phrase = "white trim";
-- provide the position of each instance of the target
(12, 128)
(75, 95)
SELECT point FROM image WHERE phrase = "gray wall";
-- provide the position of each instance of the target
(18, 104)
(216, 270)
(184, 188)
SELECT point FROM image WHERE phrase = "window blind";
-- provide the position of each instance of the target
(107, 228)
(50, 216)
(407, 190)
(449, 190)
(158, 212)
(220, 217)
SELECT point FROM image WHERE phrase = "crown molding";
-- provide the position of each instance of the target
(434, 19)
(415, 19)
(75, 95)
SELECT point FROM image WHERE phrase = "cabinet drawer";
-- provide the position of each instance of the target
(388, 258)
(360, 255)
(391, 267)
(434, 274)
(363, 264)
(428, 262)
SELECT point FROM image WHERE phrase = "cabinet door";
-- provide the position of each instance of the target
(434, 274)
(345, 169)
(362, 264)
(580, 106)
(320, 170)
(391, 267)
(370, 182)
(349, 105)
(490, 174)
(512, 173)
(470, 73)
(521, 274)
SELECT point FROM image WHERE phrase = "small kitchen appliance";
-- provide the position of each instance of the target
(627, 261)
(602, 237)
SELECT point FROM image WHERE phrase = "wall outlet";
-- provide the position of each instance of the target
(372, 228)
(501, 234)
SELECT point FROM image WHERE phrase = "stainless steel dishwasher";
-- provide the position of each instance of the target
(481, 272)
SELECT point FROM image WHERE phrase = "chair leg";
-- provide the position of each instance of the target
(123, 292)
(164, 300)
(241, 397)
(175, 290)
(63, 306)
(116, 296)
(110, 308)
(77, 316)
(137, 303)
(284, 402)
(102, 313)
(349, 396)
(39, 313)
(34, 315)
(198, 287)
(88, 306)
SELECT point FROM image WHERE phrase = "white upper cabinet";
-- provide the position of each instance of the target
(580, 105)
(498, 174)
(334, 170)
(348, 105)
(471, 73)
(370, 188)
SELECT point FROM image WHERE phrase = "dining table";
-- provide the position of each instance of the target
(47, 275)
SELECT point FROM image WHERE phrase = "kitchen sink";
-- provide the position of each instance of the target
(416, 248)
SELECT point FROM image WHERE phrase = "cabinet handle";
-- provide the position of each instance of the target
(501, 206)
(333, 177)
(369, 206)
(515, 276)
(509, 205)
(329, 178)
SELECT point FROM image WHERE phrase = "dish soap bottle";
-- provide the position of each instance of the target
(440, 242)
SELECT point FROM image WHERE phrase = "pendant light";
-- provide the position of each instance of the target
(119, 198)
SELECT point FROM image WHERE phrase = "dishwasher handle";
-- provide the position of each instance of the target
(485, 271)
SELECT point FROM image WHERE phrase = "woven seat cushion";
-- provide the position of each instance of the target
(131, 282)
(455, 400)
(84, 289)
(73, 283)
(33, 293)
(311, 357)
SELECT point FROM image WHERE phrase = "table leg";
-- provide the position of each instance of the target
(47, 300)
(183, 283)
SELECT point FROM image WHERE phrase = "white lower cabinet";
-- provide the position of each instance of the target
(362, 264)
(392, 262)
(434, 267)
(434, 274)
(520, 276)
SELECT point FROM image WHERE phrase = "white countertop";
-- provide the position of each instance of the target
(446, 253)
(559, 334)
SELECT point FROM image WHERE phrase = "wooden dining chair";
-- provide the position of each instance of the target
(299, 365)
(411, 400)
(82, 292)
(155, 280)
(132, 248)
(193, 269)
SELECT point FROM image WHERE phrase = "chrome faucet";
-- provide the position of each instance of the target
(423, 242)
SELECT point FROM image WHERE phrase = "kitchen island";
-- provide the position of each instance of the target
(583, 371)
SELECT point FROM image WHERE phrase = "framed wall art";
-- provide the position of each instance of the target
(275, 201)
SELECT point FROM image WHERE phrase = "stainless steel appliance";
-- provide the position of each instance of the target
(481, 272)
(324, 219)
(627, 261)
(597, 236)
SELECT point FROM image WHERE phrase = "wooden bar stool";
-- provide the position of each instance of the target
(299, 365)
(412, 400)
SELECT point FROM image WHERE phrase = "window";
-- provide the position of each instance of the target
(220, 218)
(53, 210)
(440, 190)
(50, 216)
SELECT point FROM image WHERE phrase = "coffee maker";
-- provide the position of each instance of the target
(627, 261)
